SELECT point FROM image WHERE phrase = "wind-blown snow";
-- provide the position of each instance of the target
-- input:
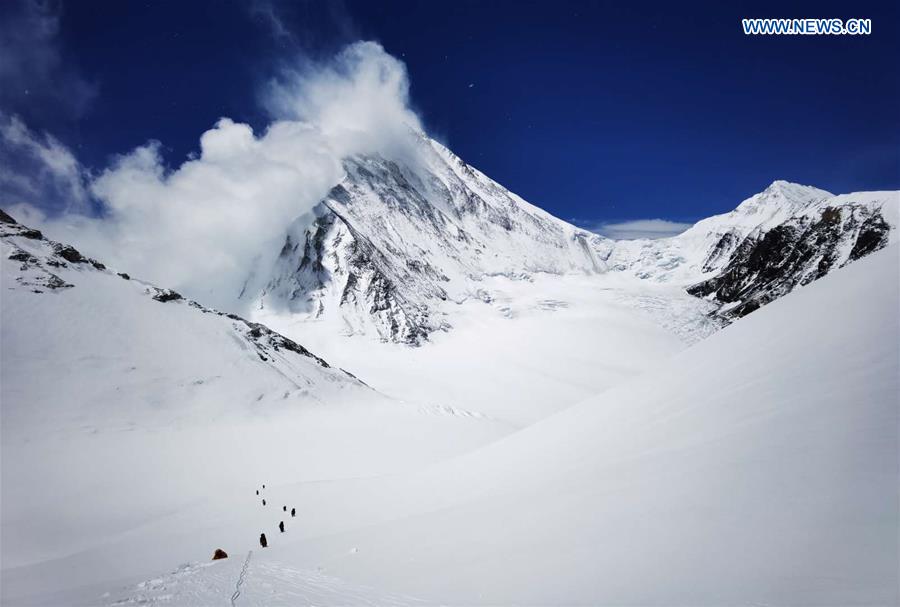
(203, 225)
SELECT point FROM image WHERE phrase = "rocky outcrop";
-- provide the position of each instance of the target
(786, 236)
(768, 264)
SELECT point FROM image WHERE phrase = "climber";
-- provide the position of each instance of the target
(281, 526)
(293, 512)
(262, 540)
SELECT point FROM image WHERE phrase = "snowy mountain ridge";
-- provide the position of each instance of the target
(393, 247)
(707, 246)
(36, 266)
(394, 241)
(786, 236)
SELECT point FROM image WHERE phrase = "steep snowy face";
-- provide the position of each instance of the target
(397, 239)
(783, 237)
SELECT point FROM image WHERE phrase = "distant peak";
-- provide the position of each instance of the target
(781, 183)
(796, 190)
(782, 196)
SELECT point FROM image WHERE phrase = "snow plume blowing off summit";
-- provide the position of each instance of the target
(206, 225)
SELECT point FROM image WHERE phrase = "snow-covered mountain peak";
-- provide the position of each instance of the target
(777, 202)
(791, 191)
(786, 236)
(397, 238)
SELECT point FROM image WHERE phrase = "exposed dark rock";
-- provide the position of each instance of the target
(165, 295)
(265, 339)
(873, 235)
(46, 280)
(722, 249)
(124, 275)
(5, 218)
(219, 554)
(365, 273)
(69, 253)
(766, 266)
(831, 216)
(20, 255)
(31, 234)
(55, 282)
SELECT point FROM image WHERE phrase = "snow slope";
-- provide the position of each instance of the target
(529, 349)
(758, 466)
(532, 324)
(123, 404)
(136, 424)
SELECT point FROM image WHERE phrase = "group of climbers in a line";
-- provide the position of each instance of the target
(262, 536)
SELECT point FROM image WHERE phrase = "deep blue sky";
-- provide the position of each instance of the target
(596, 111)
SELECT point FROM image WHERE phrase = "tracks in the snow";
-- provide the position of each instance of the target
(237, 587)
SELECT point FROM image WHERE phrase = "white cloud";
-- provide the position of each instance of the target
(360, 100)
(37, 168)
(204, 227)
(639, 228)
